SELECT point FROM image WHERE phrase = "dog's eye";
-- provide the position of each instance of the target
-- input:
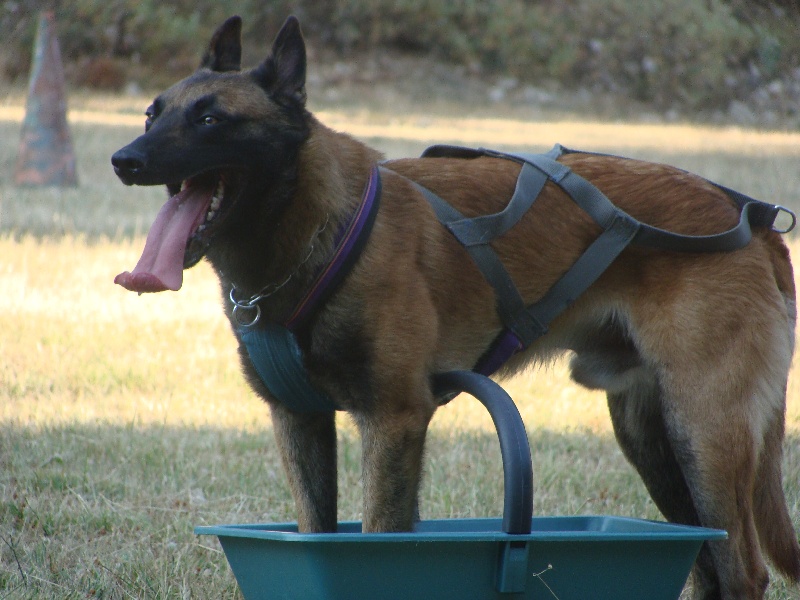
(149, 120)
(209, 120)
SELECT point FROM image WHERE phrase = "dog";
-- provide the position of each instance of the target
(693, 349)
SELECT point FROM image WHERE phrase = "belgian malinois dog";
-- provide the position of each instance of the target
(694, 349)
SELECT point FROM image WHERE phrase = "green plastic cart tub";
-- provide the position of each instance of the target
(518, 556)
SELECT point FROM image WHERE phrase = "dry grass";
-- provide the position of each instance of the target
(124, 420)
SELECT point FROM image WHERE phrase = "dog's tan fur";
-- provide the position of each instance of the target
(694, 350)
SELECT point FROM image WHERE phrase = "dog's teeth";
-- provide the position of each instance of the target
(184, 185)
(215, 203)
(210, 215)
(220, 191)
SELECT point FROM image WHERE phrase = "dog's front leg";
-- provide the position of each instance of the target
(393, 444)
(307, 443)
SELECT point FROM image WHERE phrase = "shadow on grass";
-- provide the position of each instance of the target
(112, 508)
(230, 474)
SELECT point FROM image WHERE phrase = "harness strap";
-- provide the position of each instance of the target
(510, 305)
(483, 229)
(525, 324)
(603, 211)
(586, 270)
(278, 360)
(753, 213)
(760, 214)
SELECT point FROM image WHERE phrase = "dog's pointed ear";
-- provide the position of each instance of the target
(284, 71)
(225, 50)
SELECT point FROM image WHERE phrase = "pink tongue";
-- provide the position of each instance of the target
(160, 267)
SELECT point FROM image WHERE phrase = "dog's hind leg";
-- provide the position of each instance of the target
(307, 444)
(606, 359)
(699, 467)
(639, 427)
(609, 361)
(718, 452)
(703, 426)
(721, 371)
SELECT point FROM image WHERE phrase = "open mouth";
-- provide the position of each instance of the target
(181, 233)
(214, 210)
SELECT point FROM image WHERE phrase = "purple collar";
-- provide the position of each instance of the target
(350, 241)
(273, 348)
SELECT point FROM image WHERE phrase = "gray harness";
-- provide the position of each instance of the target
(523, 323)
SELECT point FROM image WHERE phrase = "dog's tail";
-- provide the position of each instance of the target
(773, 522)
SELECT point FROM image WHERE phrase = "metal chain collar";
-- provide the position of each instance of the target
(251, 304)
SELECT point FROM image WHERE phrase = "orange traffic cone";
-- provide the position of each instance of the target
(45, 148)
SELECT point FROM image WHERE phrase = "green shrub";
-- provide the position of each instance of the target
(668, 53)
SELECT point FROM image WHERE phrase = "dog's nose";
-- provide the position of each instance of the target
(128, 163)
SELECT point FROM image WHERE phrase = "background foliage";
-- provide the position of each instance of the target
(670, 54)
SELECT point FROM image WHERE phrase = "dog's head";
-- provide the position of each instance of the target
(211, 138)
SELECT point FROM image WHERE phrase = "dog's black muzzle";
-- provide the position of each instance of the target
(129, 165)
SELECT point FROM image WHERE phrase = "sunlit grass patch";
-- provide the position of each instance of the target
(77, 348)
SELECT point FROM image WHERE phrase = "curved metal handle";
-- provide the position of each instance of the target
(514, 447)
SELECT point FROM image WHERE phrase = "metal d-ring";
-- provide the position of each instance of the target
(791, 214)
(238, 319)
(247, 305)
(251, 304)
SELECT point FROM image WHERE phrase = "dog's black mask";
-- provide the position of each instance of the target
(209, 139)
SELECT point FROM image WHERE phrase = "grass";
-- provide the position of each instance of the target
(124, 421)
